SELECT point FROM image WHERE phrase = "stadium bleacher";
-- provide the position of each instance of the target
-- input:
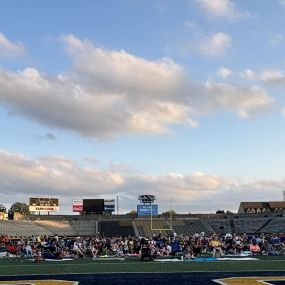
(276, 225)
(22, 228)
(249, 225)
(221, 226)
(85, 227)
(58, 227)
(114, 228)
(126, 225)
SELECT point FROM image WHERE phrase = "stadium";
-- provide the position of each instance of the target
(142, 142)
(99, 246)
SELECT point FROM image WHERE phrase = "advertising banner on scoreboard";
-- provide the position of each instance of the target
(43, 209)
(77, 205)
(147, 210)
(109, 205)
(44, 205)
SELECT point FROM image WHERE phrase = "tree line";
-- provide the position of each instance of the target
(17, 207)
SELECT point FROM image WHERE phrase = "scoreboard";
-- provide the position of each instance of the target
(93, 206)
(44, 205)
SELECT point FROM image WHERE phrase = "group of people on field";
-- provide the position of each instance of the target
(56, 247)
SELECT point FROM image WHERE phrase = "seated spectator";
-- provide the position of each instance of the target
(38, 255)
(239, 245)
(254, 248)
(11, 249)
(77, 248)
(216, 246)
(94, 250)
(28, 250)
(267, 249)
(49, 255)
(188, 252)
(197, 247)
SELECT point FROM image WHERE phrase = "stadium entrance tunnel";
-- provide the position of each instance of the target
(177, 278)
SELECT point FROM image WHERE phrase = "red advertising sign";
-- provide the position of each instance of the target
(77, 208)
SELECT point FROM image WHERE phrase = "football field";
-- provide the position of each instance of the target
(264, 270)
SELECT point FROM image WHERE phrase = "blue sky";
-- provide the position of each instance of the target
(181, 99)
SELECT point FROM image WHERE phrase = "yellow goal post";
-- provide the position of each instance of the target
(170, 228)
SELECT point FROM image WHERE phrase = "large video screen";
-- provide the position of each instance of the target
(93, 206)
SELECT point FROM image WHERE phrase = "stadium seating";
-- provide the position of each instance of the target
(249, 225)
(158, 226)
(126, 225)
(191, 226)
(276, 225)
(22, 228)
(115, 228)
(85, 227)
(221, 226)
(60, 228)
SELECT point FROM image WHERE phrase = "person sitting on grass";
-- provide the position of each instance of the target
(77, 248)
(94, 250)
(216, 245)
(28, 250)
(254, 248)
(38, 255)
(11, 250)
(188, 252)
(268, 249)
(197, 246)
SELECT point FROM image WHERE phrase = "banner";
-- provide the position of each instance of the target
(145, 210)
(43, 209)
(109, 205)
(77, 205)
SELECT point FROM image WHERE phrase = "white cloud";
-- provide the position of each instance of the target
(222, 9)
(224, 72)
(108, 93)
(57, 176)
(273, 76)
(216, 44)
(62, 177)
(8, 48)
(269, 76)
(123, 71)
(241, 100)
(248, 74)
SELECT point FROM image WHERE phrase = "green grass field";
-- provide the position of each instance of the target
(26, 267)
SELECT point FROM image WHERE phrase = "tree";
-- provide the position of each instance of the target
(132, 213)
(20, 208)
(167, 213)
(3, 209)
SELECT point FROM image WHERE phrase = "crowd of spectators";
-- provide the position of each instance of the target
(197, 245)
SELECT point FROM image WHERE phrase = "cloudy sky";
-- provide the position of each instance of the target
(180, 99)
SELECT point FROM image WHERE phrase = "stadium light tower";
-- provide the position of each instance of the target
(147, 199)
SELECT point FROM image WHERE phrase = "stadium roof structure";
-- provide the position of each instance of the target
(255, 207)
